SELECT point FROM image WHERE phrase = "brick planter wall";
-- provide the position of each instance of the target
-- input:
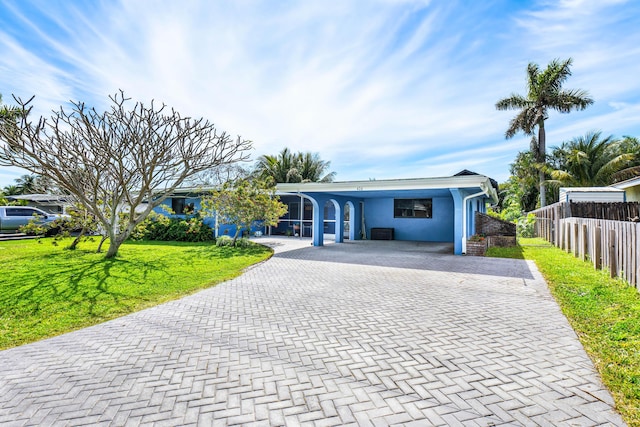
(476, 248)
(501, 241)
(490, 226)
(499, 233)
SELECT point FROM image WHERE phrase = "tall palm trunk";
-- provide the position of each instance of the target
(542, 158)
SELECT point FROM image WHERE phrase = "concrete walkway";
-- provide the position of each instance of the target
(360, 333)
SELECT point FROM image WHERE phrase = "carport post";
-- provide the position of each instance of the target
(465, 202)
(458, 226)
(318, 222)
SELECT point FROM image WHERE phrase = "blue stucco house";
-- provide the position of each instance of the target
(437, 209)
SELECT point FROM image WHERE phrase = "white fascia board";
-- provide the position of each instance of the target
(590, 189)
(466, 181)
(633, 182)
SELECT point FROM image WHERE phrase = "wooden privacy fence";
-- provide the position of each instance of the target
(603, 233)
(613, 245)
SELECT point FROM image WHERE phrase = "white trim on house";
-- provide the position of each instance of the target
(464, 181)
(627, 184)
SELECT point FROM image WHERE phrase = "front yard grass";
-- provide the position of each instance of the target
(604, 312)
(46, 290)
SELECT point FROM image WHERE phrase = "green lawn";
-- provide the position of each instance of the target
(46, 290)
(605, 313)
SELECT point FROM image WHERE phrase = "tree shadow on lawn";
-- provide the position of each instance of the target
(78, 284)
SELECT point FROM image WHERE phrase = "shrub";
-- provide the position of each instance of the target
(525, 226)
(477, 238)
(224, 241)
(35, 227)
(160, 227)
(228, 241)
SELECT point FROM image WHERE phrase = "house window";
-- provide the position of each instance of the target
(177, 206)
(412, 208)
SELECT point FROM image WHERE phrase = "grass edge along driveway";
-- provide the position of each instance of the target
(46, 290)
(604, 312)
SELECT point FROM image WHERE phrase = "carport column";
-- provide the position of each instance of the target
(339, 222)
(355, 221)
(318, 220)
(458, 227)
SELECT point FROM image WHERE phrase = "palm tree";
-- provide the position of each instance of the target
(629, 144)
(545, 93)
(312, 168)
(589, 161)
(12, 190)
(278, 167)
(6, 112)
(27, 184)
(287, 166)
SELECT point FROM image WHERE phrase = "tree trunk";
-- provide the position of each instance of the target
(104, 237)
(235, 236)
(114, 245)
(75, 242)
(542, 158)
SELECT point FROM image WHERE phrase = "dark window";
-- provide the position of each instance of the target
(412, 208)
(22, 212)
(177, 206)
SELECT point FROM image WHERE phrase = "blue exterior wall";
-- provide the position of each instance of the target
(223, 229)
(439, 228)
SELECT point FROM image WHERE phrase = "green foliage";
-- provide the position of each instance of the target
(244, 203)
(294, 167)
(223, 241)
(12, 190)
(590, 160)
(35, 227)
(160, 227)
(47, 290)
(604, 312)
(478, 238)
(525, 225)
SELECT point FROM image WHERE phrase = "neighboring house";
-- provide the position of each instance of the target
(631, 189)
(591, 194)
(50, 203)
(423, 209)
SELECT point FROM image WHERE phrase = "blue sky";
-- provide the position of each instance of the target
(381, 88)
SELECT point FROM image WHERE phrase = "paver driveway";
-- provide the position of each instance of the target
(361, 333)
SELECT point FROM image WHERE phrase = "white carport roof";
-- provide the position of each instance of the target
(361, 188)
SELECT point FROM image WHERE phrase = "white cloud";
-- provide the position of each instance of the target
(393, 88)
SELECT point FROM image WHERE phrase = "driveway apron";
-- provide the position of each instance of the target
(360, 333)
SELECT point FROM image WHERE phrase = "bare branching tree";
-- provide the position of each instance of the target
(119, 164)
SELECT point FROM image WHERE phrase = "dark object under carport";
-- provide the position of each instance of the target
(382, 234)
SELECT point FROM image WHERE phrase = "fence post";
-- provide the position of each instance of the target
(597, 248)
(613, 253)
(567, 232)
(585, 242)
(575, 240)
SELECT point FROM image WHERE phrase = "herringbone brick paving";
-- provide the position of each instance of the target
(359, 334)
